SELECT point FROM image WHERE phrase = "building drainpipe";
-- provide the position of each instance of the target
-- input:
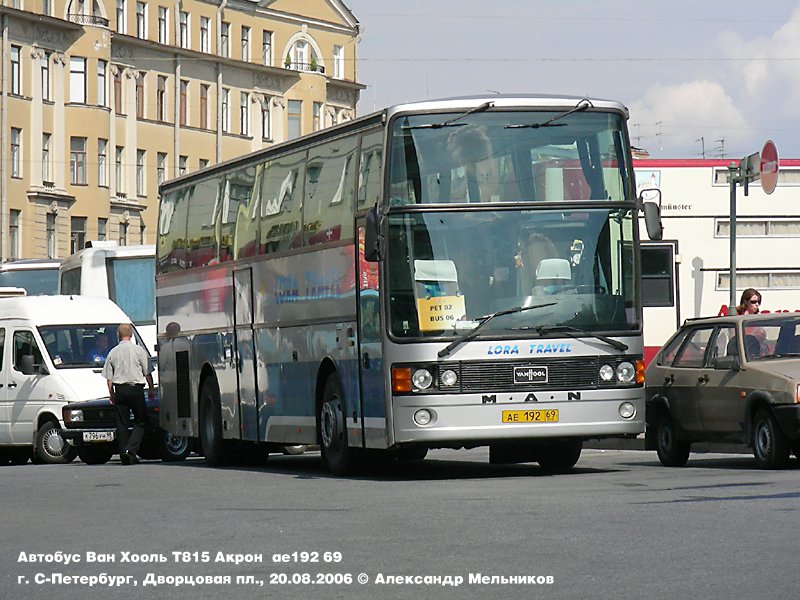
(4, 145)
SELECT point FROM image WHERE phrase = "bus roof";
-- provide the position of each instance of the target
(61, 310)
(30, 264)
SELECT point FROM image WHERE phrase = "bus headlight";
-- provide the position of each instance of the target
(449, 378)
(423, 417)
(422, 379)
(626, 372)
(627, 410)
(606, 373)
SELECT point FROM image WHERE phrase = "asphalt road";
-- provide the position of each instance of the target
(618, 526)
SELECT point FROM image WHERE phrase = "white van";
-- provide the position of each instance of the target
(124, 274)
(50, 354)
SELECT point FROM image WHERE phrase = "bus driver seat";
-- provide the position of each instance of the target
(435, 278)
(552, 274)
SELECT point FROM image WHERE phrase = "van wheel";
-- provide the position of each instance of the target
(215, 449)
(770, 447)
(96, 454)
(337, 456)
(560, 456)
(671, 451)
(173, 448)
(51, 447)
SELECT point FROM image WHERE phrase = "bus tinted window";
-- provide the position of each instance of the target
(202, 239)
(507, 157)
(172, 230)
(34, 281)
(241, 208)
(369, 176)
(329, 191)
(132, 286)
(281, 203)
(71, 281)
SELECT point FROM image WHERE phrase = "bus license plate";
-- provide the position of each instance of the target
(530, 416)
(98, 436)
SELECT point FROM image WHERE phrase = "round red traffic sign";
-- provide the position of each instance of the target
(769, 167)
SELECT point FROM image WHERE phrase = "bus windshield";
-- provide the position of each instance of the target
(447, 269)
(505, 156)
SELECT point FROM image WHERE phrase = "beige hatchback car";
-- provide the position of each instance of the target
(727, 379)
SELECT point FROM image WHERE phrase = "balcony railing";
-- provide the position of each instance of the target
(299, 66)
(87, 20)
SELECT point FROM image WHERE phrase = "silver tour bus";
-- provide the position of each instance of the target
(442, 274)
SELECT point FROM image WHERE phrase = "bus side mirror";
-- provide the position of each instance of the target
(652, 214)
(372, 236)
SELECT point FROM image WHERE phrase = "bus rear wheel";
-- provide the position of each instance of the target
(337, 456)
(213, 446)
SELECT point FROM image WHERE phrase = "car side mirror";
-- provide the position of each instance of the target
(727, 363)
(29, 367)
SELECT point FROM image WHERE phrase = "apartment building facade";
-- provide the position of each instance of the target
(102, 100)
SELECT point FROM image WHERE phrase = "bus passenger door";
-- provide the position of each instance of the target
(370, 351)
(245, 353)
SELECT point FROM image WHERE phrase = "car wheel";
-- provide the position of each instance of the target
(96, 454)
(770, 447)
(337, 456)
(51, 447)
(295, 450)
(173, 448)
(560, 456)
(671, 451)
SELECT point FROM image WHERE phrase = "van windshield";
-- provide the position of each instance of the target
(80, 346)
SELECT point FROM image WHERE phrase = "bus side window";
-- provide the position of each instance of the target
(369, 176)
(280, 203)
(329, 192)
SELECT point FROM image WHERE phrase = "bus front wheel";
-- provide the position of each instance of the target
(337, 456)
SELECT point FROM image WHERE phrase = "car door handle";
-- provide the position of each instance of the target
(13, 384)
(703, 378)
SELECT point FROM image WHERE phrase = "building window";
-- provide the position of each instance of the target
(161, 167)
(102, 69)
(118, 93)
(141, 20)
(16, 152)
(161, 99)
(46, 157)
(225, 109)
(184, 30)
(45, 63)
(183, 161)
(51, 235)
(77, 80)
(47, 7)
(77, 234)
(163, 25)
(295, 119)
(140, 179)
(245, 43)
(16, 71)
(13, 234)
(77, 160)
(301, 57)
(266, 130)
(758, 228)
(119, 180)
(203, 106)
(225, 39)
(121, 13)
(266, 48)
(140, 96)
(102, 162)
(102, 229)
(183, 101)
(244, 113)
(338, 62)
(205, 34)
(123, 234)
(202, 163)
(316, 116)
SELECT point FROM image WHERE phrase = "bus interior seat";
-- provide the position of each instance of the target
(435, 278)
(552, 273)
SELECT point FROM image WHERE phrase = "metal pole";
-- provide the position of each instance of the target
(733, 172)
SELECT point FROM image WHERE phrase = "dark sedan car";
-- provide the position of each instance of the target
(727, 379)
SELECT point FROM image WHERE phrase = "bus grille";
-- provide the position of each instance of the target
(571, 373)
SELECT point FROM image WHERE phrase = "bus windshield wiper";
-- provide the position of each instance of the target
(483, 321)
(453, 122)
(581, 106)
(542, 329)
